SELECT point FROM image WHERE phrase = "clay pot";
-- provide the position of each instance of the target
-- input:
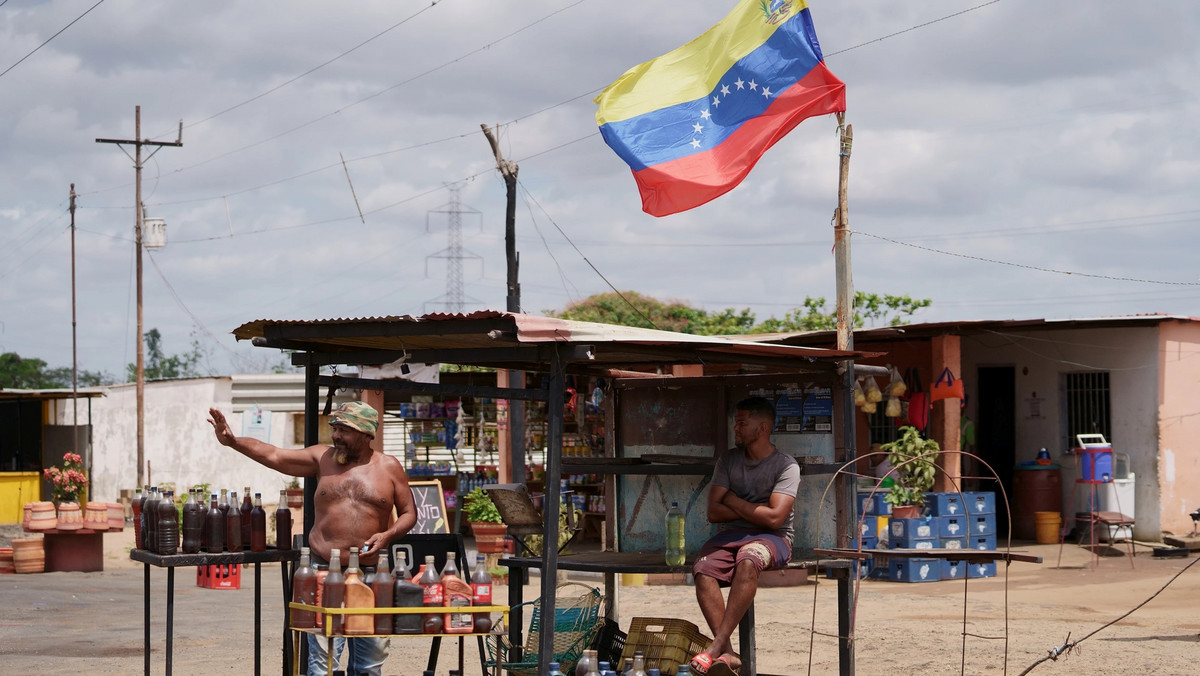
(28, 555)
(95, 516)
(116, 516)
(6, 561)
(70, 516)
(42, 516)
(489, 537)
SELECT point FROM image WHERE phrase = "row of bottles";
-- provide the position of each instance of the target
(590, 665)
(223, 526)
(386, 588)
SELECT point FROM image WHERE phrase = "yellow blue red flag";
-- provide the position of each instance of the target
(692, 123)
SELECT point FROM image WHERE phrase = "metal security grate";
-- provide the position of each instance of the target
(1087, 403)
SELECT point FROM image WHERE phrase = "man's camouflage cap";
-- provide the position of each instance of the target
(356, 415)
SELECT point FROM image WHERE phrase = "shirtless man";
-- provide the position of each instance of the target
(358, 491)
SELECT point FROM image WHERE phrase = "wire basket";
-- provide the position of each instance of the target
(665, 643)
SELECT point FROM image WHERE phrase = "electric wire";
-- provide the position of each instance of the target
(1024, 265)
(47, 41)
(912, 28)
(562, 275)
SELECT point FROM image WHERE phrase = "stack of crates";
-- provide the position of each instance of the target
(875, 511)
(918, 533)
(965, 522)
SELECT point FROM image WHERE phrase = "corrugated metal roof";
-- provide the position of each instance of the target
(56, 393)
(614, 346)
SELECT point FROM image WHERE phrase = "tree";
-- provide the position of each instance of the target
(161, 367)
(611, 308)
(17, 372)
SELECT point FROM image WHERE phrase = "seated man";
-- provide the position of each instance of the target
(752, 493)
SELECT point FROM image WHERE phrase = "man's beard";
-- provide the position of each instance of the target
(343, 455)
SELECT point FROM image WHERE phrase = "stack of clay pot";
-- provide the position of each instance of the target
(6, 561)
(95, 516)
(116, 516)
(42, 516)
(28, 555)
(70, 516)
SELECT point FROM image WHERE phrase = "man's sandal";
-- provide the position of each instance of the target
(723, 666)
(701, 663)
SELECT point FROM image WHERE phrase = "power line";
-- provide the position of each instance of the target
(912, 28)
(1023, 265)
(314, 69)
(60, 31)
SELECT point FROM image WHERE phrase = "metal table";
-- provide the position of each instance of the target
(611, 563)
(171, 562)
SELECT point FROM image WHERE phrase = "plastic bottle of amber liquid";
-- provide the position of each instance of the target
(333, 594)
(456, 594)
(258, 527)
(304, 590)
(433, 596)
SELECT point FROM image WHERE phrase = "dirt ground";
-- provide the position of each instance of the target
(92, 622)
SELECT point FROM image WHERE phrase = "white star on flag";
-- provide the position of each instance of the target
(705, 114)
(753, 86)
(724, 90)
(695, 143)
(766, 91)
(739, 83)
(697, 127)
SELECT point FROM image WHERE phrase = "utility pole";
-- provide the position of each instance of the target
(516, 408)
(74, 345)
(844, 447)
(137, 142)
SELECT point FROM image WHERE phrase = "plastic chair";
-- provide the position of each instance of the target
(576, 621)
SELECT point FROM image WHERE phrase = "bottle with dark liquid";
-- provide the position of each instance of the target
(193, 524)
(139, 499)
(304, 590)
(481, 595)
(233, 525)
(283, 523)
(214, 527)
(456, 593)
(168, 525)
(333, 594)
(223, 505)
(245, 509)
(150, 520)
(433, 596)
(380, 583)
(258, 527)
(406, 594)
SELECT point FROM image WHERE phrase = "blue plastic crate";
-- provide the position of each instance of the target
(866, 504)
(984, 524)
(944, 504)
(954, 543)
(915, 570)
(920, 527)
(984, 542)
(954, 570)
(882, 506)
(978, 569)
(869, 542)
(952, 526)
(912, 543)
(980, 503)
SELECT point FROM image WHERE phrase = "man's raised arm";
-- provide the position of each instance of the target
(296, 462)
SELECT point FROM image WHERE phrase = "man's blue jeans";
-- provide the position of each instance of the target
(366, 658)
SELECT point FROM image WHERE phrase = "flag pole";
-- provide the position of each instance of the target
(845, 450)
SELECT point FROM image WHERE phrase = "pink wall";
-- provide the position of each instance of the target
(1179, 424)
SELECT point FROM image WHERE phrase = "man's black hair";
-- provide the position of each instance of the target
(758, 406)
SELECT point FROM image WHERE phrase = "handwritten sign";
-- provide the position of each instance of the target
(431, 507)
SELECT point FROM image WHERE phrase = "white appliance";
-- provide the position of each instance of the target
(1112, 496)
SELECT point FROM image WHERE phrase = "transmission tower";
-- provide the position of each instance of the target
(454, 254)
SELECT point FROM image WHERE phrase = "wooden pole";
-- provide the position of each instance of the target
(844, 487)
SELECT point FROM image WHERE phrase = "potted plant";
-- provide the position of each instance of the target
(912, 459)
(486, 524)
(295, 493)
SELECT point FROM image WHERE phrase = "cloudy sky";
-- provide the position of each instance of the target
(995, 151)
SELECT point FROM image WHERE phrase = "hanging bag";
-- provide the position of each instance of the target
(874, 395)
(946, 387)
(915, 405)
(896, 386)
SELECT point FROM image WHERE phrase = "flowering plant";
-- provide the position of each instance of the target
(69, 480)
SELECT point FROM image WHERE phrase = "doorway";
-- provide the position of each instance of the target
(995, 431)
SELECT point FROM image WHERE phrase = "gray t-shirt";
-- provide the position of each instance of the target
(755, 482)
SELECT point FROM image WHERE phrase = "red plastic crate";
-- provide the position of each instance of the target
(224, 576)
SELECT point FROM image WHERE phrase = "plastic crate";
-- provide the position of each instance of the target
(912, 543)
(866, 504)
(954, 543)
(982, 524)
(665, 643)
(954, 570)
(924, 527)
(915, 570)
(609, 642)
(952, 526)
(980, 503)
(984, 542)
(868, 542)
(224, 576)
(977, 569)
(944, 504)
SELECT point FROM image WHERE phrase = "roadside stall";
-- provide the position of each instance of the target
(668, 401)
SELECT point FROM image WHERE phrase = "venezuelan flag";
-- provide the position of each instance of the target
(692, 123)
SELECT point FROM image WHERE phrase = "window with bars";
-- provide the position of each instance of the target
(882, 428)
(1086, 399)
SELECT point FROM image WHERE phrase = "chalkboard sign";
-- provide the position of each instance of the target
(431, 507)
